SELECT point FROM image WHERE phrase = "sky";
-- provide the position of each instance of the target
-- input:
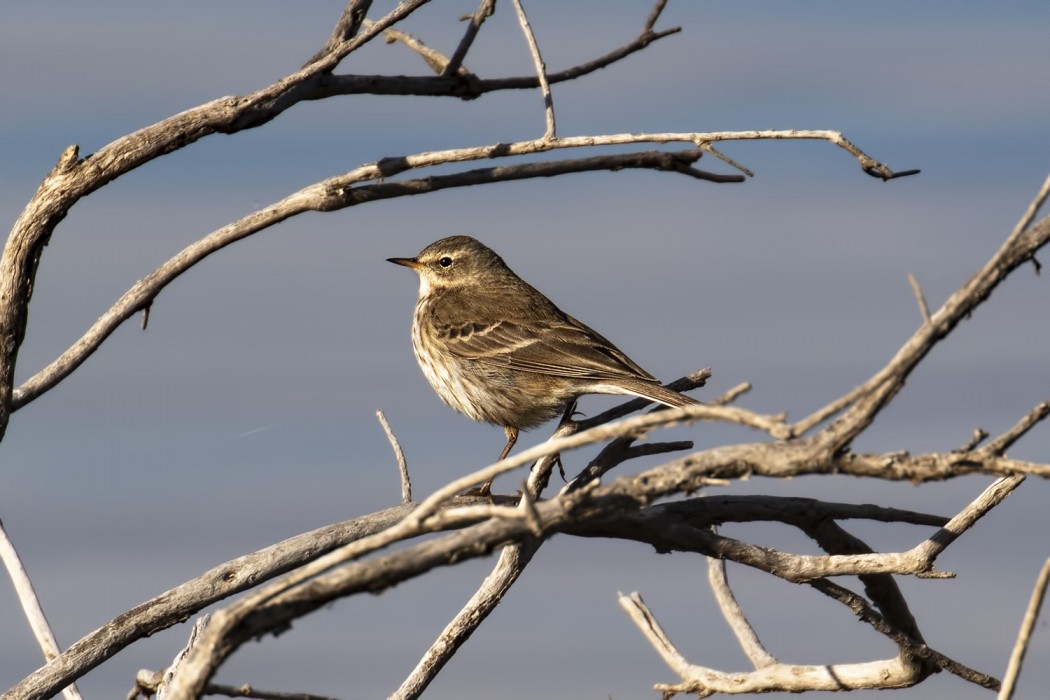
(245, 414)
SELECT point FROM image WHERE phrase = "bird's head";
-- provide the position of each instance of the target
(455, 262)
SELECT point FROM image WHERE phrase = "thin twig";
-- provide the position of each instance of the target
(992, 496)
(732, 395)
(248, 691)
(617, 452)
(1033, 208)
(348, 25)
(654, 15)
(734, 615)
(435, 59)
(827, 411)
(1031, 614)
(725, 159)
(924, 309)
(474, 22)
(399, 454)
(1000, 444)
(541, 69)
(34, 612)
(979, 434)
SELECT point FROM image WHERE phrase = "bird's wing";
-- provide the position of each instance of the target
(562, 348)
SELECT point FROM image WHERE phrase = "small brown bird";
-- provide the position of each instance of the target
(497, 350)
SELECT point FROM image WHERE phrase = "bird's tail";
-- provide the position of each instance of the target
(659, 394)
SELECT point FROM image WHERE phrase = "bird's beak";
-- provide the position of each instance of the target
(407, 262)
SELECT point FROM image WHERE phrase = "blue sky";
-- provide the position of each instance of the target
(245, 414)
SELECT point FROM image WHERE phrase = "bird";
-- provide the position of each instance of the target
(497, 350)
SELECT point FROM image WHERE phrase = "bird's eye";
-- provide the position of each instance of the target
(445, 261)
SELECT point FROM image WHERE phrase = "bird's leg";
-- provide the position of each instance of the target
(512, 437)
(486, 488)
(566, 423)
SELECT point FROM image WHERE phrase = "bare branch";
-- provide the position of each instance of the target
(1002, 443)
(435, 59)
(992, 496)
(469, 87)
(734, 615)
(512, 562)
(399, 455)
(150, 683)
(1031, 614)
(899, 466)
(163, 684)
(474, 22)
(345, 29)
(883, 590)
(701, 514)
(654, 15)
(732, 395)
(34, 612)
(1029, 215)
(895, 621)
(866, 613)
(708, 148)
(619, 451)
(541, 69)
(890, 673)
(924, 310)
(979, 434)
(247, 691)
(685, 527)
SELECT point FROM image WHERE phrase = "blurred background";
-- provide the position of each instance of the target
(245, 413)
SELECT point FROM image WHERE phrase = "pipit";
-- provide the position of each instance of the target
(497, 350)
